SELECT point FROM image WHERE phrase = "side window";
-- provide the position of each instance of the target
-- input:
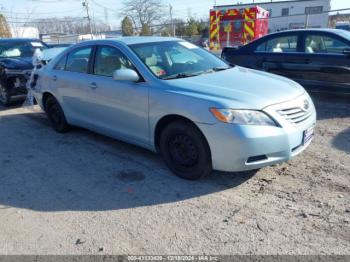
(109, 59)
(61, 64)
(324, 44)
(284, 44)
(261, 47)
(78, 61)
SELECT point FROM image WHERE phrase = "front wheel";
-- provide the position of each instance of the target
(55, 114)
(185, 150)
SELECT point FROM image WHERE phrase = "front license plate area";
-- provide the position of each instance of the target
(308, 135)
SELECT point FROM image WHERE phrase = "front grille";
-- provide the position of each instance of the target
(295, 115)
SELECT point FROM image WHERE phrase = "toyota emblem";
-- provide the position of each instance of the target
(306, 105)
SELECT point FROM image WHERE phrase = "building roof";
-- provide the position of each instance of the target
(19, 40)
(264, 3)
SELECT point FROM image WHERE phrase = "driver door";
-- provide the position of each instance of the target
(117, 108)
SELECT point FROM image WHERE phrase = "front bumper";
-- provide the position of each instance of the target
(244, 147)
(19, 79)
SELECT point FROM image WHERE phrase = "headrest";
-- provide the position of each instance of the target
(151, 61)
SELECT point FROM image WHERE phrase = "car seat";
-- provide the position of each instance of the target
(152, 63)
(278, 48)
(107, 65)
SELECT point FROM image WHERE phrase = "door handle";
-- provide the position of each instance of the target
(93, 85)
(54, 78)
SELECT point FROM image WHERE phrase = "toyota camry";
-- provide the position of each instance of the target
(172, 97)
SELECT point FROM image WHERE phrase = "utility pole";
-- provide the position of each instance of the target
(171, 20)
(86, 5)
(106, 16)
(307, 20)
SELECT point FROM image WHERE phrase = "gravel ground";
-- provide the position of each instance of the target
(82, 193)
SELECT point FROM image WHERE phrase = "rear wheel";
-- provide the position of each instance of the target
(55, 114)
(185, 150)
(5, 98)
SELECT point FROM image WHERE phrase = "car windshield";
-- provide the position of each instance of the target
(345, 34)
(19, 49)
(177, 59)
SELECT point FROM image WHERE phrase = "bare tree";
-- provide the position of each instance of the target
(18, 22)
(144, 13)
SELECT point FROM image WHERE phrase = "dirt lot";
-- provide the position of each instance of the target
(81, 193)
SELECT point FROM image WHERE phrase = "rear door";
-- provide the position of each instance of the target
(329, 66)
(281, 54)
(69, 81)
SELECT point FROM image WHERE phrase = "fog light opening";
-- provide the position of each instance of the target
(253, 159)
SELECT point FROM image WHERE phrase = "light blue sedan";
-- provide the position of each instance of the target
(175, 98)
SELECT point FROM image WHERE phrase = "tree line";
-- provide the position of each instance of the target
(148, 17)
(140, 17)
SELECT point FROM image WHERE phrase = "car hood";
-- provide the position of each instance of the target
(239, 87)
(21, 63)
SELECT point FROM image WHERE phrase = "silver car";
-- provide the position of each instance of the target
(172, 97)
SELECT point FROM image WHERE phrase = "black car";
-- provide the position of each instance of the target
(319, 59)
(16, 66)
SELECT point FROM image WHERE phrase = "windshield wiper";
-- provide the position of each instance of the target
(216, 69)
(181, 75)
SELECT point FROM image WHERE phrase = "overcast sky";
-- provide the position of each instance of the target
(18, 10)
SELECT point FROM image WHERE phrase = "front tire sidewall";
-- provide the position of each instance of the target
(55, 115)
(203, 166)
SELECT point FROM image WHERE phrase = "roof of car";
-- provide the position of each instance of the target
(131, 40)
(328, 30)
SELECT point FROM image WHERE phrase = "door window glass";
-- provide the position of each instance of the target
(283, 44)
(78, 61)
(324, 44)
(109, 59)
(61, 64)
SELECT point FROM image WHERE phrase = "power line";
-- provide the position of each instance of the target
(39, 13)
(103, 6)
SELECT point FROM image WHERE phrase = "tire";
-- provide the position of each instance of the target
(55, 115)
(5, 98)
(185, 150)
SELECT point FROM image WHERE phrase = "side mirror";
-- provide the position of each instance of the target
(346, 51)
(126, 75)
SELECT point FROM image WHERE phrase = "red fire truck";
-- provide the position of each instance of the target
(235, 27)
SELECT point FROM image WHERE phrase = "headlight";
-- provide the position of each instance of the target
(242, 117)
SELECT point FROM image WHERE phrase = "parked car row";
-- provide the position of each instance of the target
(175, 98)
(318, 59)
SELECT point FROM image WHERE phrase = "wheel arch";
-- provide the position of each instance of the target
(45, 96)
(165, 121)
